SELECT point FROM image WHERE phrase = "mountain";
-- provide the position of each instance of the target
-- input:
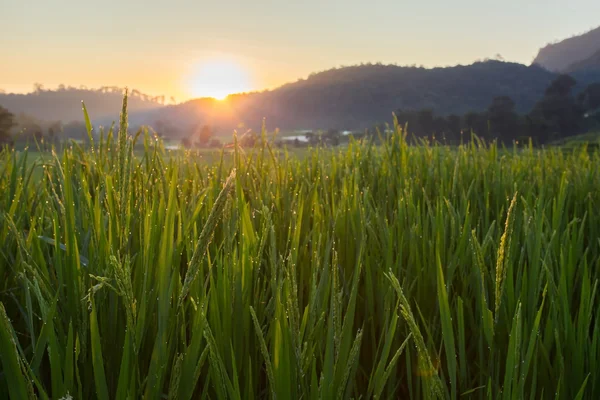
(561, 56)
(64, 104)
(354, 97)
(589, 64)
(358, 96)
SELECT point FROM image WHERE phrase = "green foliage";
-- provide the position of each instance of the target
(6, 124)
(556, 115)
(389, 271)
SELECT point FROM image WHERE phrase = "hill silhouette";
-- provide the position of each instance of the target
(589, 64)
(354, 97)
(357, 97)
(563, 55)
(64, 103)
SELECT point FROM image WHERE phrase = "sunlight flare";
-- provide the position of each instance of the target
(218, 79)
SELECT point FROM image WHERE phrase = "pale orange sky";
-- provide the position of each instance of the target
(159, 47)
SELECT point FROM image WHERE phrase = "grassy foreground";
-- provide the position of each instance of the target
(374, 272)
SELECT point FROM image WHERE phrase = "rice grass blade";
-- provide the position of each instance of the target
(207, 231)
(18, 387)
(264, 351)
(447, 328)
(97, 360)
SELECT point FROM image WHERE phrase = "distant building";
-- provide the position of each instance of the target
(300, 138)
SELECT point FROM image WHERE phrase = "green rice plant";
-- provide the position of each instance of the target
(502, 250)
(380, 269)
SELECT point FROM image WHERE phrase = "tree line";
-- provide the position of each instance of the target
(39, 88)
(25, 128)
(558, 114)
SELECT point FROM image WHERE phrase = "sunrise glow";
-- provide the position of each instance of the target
(218, 79)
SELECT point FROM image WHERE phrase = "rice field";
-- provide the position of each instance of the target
(373, 271)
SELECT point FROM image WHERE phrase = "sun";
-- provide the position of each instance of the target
(218, 79)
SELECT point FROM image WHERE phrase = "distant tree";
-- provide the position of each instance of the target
(313, 138)
(502, 105)
(425, 123)
(407, 119)
(440, 126)
(477, 123)
(557, 114)
(186, 142)
(215, 143)
(249, 139)
(28, 128)
(561, 86)
(589, 99)
(204, 135)
(309, 136)
(166, 129)
(54, 128)
(75, 130)
(38, 135)
(159, 127)
(503, 120)
(332, 137)
(453, 125)
(7, 122)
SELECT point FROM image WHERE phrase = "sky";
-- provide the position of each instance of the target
(188, 49)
